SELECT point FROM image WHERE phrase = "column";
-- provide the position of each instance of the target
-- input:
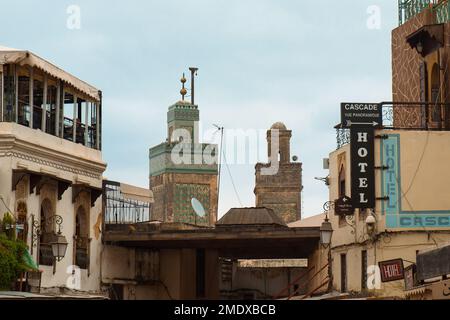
(98, 124)
(31, 97)
(58, 102)
(61, 115)
(2, 92)
(74, 127)
(86, 124)
(44, 106)
(16, 103)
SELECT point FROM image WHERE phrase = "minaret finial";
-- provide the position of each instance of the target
(183, 90)
(193, 74)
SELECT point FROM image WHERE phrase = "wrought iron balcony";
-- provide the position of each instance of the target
(419, 116)
(407, 9)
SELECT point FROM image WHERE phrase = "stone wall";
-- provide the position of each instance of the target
(280, 192)
(173, 193)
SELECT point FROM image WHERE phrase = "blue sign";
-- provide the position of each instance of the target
(396, 218)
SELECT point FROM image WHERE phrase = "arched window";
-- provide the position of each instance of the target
(342, 182)
(47, 232)
(81, 238)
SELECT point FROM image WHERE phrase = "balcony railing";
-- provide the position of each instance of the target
(410, 8)
(442, 11)
(420, 116)
(121, 210)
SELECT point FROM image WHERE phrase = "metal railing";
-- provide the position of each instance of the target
(410, 8)
(421, 116)
(119, 210)
(442, 11)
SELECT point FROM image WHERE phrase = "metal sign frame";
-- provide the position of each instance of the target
(394, 262)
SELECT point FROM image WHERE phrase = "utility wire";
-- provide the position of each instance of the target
(231, 178)
(428, 135)
(6, 206)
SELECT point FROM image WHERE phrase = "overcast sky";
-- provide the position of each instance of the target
(260, 62)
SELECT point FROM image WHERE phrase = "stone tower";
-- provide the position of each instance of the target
(279, 190)
(184, 188)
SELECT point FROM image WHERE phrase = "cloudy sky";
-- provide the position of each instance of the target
(260, 62)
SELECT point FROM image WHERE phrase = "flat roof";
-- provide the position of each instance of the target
(249, 242)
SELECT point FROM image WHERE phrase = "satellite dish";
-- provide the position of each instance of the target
(198, 207)
(294, 158)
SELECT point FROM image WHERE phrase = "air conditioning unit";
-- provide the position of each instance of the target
(326, 163)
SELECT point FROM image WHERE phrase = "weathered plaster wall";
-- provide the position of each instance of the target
(33, 150)
(424, 177)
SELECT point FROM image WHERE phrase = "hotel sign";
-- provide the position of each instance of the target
(362, 118)
(391, 181)
(391, 270)
(362, 166)
(368, 114)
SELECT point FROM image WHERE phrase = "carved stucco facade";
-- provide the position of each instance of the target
(412, 74)
(406, 61)
(51, 159)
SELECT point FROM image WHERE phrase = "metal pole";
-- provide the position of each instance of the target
(220, 169)
(330, 270)
(193, 72)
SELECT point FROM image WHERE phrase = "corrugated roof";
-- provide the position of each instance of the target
(25, 57)
(250, 216)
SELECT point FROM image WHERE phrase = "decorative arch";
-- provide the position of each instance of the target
(47, 230)
(81, 224)
(342, 182)
(82, 232)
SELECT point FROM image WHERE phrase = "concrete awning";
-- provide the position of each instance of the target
(431, 37)
(251, 242)
(136, 193)
(24, 57)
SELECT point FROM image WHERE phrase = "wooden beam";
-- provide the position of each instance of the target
(62, 187)
(17, 176)
(213, 237)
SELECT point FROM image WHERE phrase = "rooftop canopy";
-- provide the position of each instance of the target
(250, 216)
(24, 57)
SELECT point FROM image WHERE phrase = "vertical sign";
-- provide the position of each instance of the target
(362, 166)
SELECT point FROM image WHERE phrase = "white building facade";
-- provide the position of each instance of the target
(51, 166)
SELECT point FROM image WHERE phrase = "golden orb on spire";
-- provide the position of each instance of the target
(183, 90)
